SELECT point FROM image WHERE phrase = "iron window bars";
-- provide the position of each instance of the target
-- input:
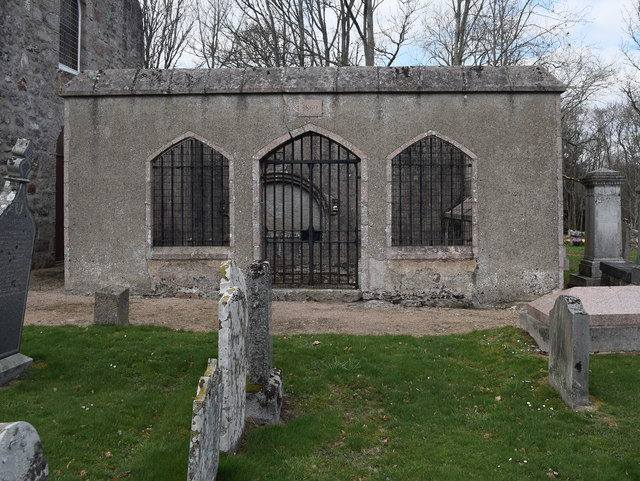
(431, 195)
(69, 54)
(190, 196)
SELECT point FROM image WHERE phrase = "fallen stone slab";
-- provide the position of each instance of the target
(614, 317)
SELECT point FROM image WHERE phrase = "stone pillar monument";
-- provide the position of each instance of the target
(603, 225)
(17, 233)
(635, 271)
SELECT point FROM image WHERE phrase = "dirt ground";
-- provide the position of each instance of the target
(49, 304)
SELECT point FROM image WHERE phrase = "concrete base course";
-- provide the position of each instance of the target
(21, 453)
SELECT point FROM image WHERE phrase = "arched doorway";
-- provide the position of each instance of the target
(310, 204)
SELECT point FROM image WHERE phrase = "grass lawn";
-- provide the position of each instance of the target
(115, 403)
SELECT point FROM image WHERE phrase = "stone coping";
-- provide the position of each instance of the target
(606, 306)
(311, 80)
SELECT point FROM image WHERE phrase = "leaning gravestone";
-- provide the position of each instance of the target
(17, 232)
(264, 383)
(21, 453)
(569, 348)
(232, 358)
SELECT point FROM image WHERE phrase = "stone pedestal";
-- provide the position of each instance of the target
(603, 225)
(264, 402)
(111, 306)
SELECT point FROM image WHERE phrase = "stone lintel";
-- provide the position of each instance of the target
(312, 80)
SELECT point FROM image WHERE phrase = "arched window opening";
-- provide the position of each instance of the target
(431, 195)
(70, 35)
(190, 196)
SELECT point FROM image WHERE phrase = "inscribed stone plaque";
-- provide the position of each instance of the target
(17, 232)
(310, 108)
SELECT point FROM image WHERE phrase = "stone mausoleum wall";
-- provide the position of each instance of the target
(505, 119)
(30, 107)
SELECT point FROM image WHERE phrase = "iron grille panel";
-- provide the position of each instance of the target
(190, 192)
(431, 195)
(69, 33)
(311, 213)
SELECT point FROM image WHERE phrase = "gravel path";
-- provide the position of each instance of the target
(49, 304)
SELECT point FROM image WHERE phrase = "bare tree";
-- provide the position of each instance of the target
(496, 32)
(451, 32)
(585, 76)
(166, 27)
(631, 51)
(276, 33)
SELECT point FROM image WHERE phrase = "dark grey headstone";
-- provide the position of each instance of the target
(17, 232)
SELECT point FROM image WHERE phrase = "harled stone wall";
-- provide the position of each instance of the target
(30, 81)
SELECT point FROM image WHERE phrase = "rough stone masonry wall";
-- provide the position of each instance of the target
(30, 81)
(506, 119)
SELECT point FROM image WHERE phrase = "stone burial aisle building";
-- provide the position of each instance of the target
(431, 185)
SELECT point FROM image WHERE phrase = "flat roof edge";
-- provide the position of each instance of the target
(310, 80)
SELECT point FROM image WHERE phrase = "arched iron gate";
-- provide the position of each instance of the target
(311, 213)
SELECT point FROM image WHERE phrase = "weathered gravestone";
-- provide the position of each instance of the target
(264, 388)
(21, 453)
(17, 232)
(204, 447)
(232, 356)
(569, 347)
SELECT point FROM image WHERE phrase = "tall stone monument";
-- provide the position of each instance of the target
(17, 233)
(603, 225)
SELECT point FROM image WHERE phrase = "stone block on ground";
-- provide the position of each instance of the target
(232, 356)
(570, 345)
(264, 402)
(12, 366)
(204, 446)
(21, 453)
(111, 306)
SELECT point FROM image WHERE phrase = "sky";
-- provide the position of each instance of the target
(604, 25)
